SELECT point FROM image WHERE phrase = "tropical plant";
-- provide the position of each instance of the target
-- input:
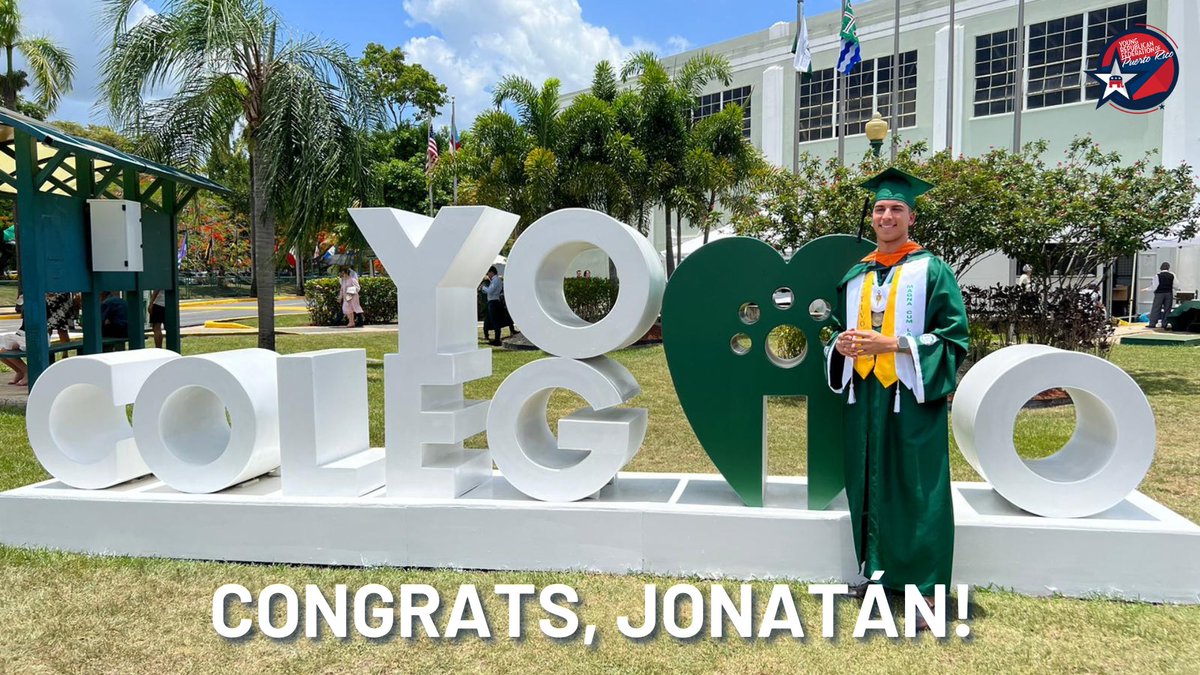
(718, 167)
(664, 118)
(52, 67)
(299, 104)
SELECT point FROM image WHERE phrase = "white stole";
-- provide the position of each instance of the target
(910, 321)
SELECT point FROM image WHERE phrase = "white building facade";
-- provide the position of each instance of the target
(959, 92)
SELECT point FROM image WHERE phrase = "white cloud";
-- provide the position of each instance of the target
(76, 26)
(677, 44)
(474, 48)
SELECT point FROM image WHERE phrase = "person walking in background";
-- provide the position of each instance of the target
(60, 314)
(8, 249)
(349, 296)
(497, 316)
(1026, 278)
(1164, 295)
(158, 315)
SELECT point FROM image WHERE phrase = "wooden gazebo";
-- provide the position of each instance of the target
(52, 175)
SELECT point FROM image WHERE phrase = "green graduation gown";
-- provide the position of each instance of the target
(897, 463)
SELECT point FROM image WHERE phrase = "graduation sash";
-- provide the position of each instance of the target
(904, 315)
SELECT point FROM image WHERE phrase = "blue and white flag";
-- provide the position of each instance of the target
(850, 54)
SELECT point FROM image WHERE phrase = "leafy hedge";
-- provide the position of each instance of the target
(1059, 317)
(376, 294)
(590, 298)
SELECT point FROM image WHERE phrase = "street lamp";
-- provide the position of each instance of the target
(877, 130)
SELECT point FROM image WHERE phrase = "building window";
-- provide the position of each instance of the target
(1056, 52)
(711, 104)
(816, 106)
(908, 90)
(860, 97)
(995, 72)
(1055, 62)
(868, 89)
(1104, 25)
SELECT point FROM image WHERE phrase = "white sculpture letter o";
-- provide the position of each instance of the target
(1106, 457)
(180, 421)
(539, 262)
(76, 418)
(594, 443)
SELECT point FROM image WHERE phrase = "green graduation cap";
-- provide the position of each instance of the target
(896, 184)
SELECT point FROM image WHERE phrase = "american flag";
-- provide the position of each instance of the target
(431, 153)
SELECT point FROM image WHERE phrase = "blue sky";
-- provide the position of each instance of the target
(467, 44)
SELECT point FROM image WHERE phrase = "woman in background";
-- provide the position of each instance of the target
(351, 307)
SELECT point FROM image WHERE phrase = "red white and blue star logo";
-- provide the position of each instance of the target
(1138, 69)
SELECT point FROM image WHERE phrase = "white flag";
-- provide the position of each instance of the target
(803, 62)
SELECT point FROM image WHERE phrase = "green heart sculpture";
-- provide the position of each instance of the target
(720, 306)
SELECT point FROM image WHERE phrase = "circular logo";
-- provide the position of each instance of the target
(1138, 70)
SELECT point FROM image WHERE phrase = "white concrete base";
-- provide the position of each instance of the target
(674, 524)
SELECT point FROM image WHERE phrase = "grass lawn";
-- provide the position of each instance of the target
(68, 612)
(8, 294)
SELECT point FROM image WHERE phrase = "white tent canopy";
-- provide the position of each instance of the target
(692, 245)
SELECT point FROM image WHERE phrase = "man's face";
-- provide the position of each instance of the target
(891, 220)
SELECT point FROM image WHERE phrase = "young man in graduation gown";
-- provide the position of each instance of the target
(895, 363)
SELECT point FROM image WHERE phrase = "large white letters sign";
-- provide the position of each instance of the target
(437, 264)
(224, 422)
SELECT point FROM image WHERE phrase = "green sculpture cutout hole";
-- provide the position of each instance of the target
(749, 313)
(826, 335)
(741, 344)
(819, 309)
(783, 297)
(786, 346)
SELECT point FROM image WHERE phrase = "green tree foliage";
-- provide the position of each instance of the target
(97, 132)
(300, 105)
(402, 87)
(1082, 213)
(52, 67)
(662, 121)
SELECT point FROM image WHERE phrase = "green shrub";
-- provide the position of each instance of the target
(1059, 317)
(376, 294)
(590, 298)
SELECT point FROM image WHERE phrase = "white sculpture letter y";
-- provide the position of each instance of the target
(437, 265)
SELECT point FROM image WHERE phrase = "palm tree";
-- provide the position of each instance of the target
(300, 105)
(52, 66)
(717, 168)
(537, 109)
(665, 119)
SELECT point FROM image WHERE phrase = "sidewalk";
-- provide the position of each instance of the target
(291, 330)
(9, 312)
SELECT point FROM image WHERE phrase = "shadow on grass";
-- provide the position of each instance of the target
(1158, 382)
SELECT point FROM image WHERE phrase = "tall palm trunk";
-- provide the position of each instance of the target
(263, 223)
(10, 102)
(10, 90)
(678, 238)
(670, 253)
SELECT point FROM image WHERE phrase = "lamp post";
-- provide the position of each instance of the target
(877, 130)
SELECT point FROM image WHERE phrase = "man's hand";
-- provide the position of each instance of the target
(854, 343)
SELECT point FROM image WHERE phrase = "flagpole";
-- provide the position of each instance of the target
(950, 86)
(429, 169)
(796, 106)
(454, 148)
(1019, 77)
(896, 81)
(840, 80)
